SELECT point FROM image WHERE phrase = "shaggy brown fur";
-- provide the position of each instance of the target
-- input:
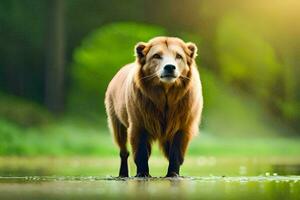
(144, 108)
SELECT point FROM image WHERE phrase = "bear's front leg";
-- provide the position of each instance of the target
(141, 149)
(176, 148)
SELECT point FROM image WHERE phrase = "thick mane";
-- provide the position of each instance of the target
(157, 94)
(161, 110)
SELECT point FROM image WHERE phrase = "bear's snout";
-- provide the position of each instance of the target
(169, 69)
(169, 73)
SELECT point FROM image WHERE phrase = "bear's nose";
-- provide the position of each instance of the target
(169, 69)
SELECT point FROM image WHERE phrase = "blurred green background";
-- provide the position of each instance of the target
(57, 57)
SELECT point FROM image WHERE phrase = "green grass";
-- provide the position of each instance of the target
(60, 138)
(73, 137)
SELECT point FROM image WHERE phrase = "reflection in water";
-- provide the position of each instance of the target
(151, 186)
(255, 187)
(291, 169)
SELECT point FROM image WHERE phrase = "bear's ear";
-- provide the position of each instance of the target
(193, 49)
(140, 52)
(139, 49)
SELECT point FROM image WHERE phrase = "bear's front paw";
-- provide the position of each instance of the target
(123, 176)
(143, 175)
(172, 175)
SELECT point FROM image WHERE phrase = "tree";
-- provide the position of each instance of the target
(55, 58)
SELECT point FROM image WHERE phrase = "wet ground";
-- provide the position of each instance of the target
(204, 178)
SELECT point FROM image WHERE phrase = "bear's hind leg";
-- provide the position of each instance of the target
(120, 136)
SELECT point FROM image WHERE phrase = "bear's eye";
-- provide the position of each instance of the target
(156, 56)
(178, 56)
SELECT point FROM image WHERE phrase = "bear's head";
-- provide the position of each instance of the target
(165, 60)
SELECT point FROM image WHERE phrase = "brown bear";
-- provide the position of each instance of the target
(158, 97)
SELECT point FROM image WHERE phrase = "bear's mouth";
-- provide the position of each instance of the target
(168, 76)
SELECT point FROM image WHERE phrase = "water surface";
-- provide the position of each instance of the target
(204, 178)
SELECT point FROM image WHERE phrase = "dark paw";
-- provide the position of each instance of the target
(123, 176)
(172, 175)
(143, 175)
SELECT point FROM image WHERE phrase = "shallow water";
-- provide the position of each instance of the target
(205, 178)
(254, 187)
